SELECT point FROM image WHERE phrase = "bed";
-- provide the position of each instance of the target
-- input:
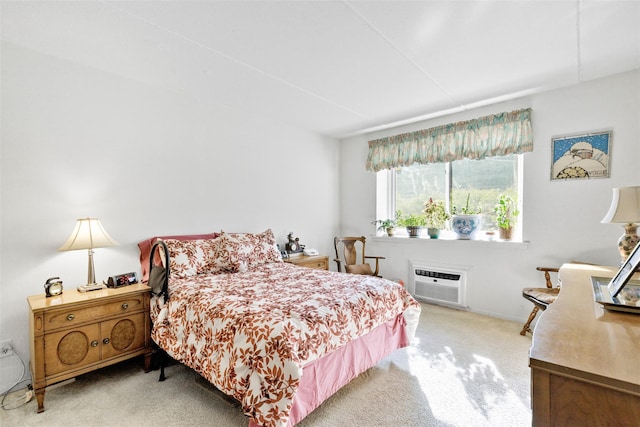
(278, 338)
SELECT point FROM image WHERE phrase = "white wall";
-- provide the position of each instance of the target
(77, 142)
(561, 219)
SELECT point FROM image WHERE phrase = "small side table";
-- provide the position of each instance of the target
(75, 333)
(319, 262)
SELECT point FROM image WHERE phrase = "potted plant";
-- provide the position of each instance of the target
(506, 212)
(387, 225)
(413, 222)
(465, 222)
(436, 217)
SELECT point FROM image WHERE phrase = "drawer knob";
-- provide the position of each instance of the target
(71, 316)
(105, 341)
(125, 305)
(94, 343)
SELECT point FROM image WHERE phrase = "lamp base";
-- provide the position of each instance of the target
(628, 241)
(91, 275)
(91, 287)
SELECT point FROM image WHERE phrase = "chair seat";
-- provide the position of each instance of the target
(359, 269)
(544, 296)
(540, 297)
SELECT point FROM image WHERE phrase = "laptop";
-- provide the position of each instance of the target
(620, 293)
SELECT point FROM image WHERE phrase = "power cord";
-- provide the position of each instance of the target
(17, 401)
(21, 399)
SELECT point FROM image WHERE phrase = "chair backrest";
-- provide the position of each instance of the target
(547, 276)
(350, 250)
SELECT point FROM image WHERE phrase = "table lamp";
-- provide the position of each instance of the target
(88, 234)
(625, 209)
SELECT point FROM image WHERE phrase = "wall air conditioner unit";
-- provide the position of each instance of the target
(438, 285)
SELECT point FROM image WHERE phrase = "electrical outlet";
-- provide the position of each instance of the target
(6, 349)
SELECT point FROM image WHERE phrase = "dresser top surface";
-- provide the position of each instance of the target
(73, 296)
(577, 335)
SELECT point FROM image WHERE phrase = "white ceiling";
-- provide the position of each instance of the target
(338, 67)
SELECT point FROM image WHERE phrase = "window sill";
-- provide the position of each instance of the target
(451, 240)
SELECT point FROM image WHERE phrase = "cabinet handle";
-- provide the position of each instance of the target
(71, 317)
(125, 305)
(94, 343)
(105, 341)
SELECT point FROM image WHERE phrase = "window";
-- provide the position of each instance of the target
(482, 181)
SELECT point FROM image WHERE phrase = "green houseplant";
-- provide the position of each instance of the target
(506, 211)
(436, 216)
(387, 225)
(413, 222)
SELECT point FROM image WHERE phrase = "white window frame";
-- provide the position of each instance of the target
(386, 200)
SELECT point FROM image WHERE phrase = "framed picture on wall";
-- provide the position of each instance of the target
(585, 156)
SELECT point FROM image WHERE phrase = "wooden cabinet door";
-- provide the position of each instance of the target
(71, 349)
(122, 335)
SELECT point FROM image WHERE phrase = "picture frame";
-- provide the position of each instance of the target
(622, 292)
(625, 272)
(582, 156)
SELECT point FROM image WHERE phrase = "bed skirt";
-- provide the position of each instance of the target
(324, 377)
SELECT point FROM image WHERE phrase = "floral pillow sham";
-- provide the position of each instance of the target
(243, 252)
(228, 253)
(188, 257)
(145, 248)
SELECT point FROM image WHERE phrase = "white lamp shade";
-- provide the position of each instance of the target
(88, 234)
(625, 206)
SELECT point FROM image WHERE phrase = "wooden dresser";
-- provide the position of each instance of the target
(320, 262)
(75, 333)
(585, 361)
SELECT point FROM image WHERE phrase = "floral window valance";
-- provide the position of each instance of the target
(495, 135)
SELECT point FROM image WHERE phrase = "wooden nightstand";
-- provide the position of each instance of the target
(75, 333)
(320, 262)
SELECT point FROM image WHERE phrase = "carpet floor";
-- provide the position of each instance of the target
(463, 369)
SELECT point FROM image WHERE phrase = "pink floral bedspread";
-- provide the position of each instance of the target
(251, 333)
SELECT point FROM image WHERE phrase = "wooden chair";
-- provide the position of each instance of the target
(350, 254)
(540, 297)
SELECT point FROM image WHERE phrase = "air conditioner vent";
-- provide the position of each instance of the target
(437, 274)
(438, 285)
